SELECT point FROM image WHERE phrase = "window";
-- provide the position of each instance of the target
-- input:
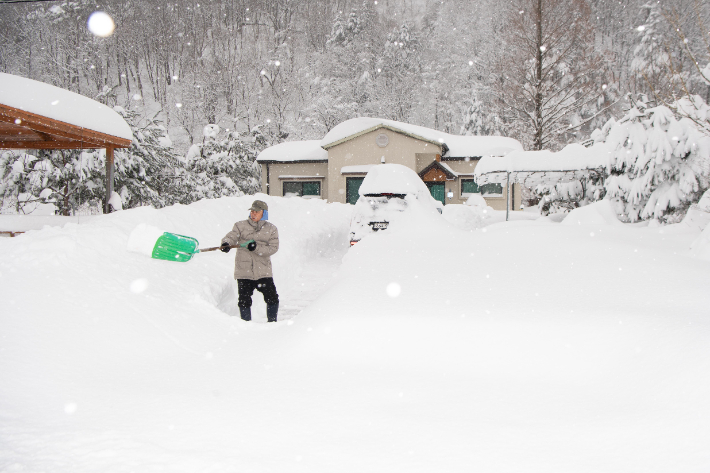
(492, 189)
(469, 186)
(302, 188)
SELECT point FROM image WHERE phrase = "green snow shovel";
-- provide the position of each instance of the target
(181, 248)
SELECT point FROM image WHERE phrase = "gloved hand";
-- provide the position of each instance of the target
(251, 246)
(225, 247)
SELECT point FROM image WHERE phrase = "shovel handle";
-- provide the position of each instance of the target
(202, 250)
(242, 245)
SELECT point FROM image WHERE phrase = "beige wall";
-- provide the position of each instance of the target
(423, 160)
(467, 167)
(401, 149)
(293, 169)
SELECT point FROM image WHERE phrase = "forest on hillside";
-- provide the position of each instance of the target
(546, 72)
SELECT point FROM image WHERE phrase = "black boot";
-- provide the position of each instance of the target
(271, 311)
(245, 313)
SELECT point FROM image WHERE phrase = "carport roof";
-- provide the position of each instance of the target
(35, 115)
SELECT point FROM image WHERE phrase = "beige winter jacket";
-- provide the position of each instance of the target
(253, 264)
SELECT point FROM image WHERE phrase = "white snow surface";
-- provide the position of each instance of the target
(23, 223)
(393, 179)
(142, 239)
(538, 167)
(701, 246)
(62, 105)
(294, 151)
(459, 146)
(597, 213)
(518, 346)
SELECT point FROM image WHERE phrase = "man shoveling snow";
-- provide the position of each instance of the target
(252, 266)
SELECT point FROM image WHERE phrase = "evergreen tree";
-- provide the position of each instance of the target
(228, 166)
(398, 71)
(70, 179)
(473, 118)
(338, 34)
(145, 173)
(659, 165)
(650, 64)
(353, 26)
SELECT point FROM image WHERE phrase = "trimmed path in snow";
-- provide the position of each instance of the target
(315, 277)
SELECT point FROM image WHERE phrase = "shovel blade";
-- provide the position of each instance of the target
(174, 247)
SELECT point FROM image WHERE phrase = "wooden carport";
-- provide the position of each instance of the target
(22, 128)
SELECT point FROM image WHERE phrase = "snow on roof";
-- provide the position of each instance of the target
(363, 168)
(392, 179)
(474, 146)
(294, 151)
(455, 145)
(299, 176)
(537, 167)
(61, 105)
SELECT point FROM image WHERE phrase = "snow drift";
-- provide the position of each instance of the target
(520, 346)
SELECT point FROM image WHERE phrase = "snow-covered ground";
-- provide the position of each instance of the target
(527, 345)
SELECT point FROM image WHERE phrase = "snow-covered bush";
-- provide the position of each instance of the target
(658, 165)
(226, 167)
(566, 196)
(69, 179)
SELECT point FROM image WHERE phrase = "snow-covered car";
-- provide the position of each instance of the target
(386, 192)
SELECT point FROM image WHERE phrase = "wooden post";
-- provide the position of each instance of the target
(109, 178)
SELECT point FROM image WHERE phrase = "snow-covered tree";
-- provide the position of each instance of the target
(479, 121)
(566, 196)
(338, 35)
(658, 166)
(145, 172)
(17, 193)
(69, 179)
(546, 70)
(650, 64)
(398, 72)
(228, 166)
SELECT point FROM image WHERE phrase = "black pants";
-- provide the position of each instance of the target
(264, 285)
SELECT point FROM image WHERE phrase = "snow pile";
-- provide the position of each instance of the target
(701, 246)
(465, 217)
(598, 213)
(698, 215)
(142, 239)
(211, 131)
(393, 179)
(115, 201)
(431, 348)
(477, 200)
(23, 223)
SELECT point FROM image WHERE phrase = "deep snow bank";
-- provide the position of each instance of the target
(106, 351)
(540, 343)
(521, 346)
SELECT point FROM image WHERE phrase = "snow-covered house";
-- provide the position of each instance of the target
(333, 168)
